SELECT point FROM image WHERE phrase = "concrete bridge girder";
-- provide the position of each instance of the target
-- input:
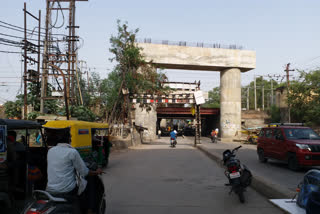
(230, 63)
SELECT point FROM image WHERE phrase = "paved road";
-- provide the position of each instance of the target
(158, 179)
(274, 171)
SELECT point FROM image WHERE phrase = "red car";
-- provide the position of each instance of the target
(297, 145)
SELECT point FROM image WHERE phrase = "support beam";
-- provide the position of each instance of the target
(230, 102)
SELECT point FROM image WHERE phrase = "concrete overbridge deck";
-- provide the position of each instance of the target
(198, 58)
(229, 62)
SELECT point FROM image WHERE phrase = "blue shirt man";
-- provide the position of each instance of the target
(173, 135)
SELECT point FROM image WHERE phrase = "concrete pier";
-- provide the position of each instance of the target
(230, 102)
(147, 119)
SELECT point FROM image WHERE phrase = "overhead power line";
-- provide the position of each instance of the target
(13, 52)
(22, 29)
(18, 37)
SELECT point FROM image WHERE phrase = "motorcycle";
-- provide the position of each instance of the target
(214, 139)
(46, 202)
(173, 143)
(238, 174)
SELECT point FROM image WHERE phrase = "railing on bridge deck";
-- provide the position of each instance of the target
(186, 111)
(188, 44)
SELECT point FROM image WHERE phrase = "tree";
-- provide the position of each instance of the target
(214, 98)
(13, 109)
(82, 113)
(304, 98)
(131, 74)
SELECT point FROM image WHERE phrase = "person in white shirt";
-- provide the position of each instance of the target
(63, 163)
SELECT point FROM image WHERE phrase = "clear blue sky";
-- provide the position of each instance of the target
(279, 31)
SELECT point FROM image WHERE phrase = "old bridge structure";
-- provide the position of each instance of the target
(230, 62)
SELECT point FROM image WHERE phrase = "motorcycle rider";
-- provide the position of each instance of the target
(173, 137)
(63, 163)
(213, 136)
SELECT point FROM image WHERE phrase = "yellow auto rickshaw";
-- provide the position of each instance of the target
(88, 138)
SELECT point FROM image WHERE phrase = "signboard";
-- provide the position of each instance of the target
(83, 131)
(3, 144)
(198, 95)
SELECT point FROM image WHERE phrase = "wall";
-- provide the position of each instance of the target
(146, 119)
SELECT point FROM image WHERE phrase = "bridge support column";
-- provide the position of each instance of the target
(147, 119)
(230, 102)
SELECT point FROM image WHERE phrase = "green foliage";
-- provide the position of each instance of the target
(214, 99)
(304, 98)
(131, 73)
(82, 113)
(275, 114)
(33, 115)
(13, 109)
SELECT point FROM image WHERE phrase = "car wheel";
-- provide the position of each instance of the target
(293, 163)
(261, 156)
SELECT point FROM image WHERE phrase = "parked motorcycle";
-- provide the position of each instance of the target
(238, 174)
(45, 202)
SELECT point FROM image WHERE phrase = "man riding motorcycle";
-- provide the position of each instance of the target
(63, 163)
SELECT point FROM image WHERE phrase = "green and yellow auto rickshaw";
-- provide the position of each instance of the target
(88, 138)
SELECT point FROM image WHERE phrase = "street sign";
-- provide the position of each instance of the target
(198, 95)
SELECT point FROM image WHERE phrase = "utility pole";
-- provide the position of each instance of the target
(30, 75)
(255, 93)
(25, 64)
(287, 70)
(262, 87)
(271, 92)
(88, 80)
(44, 76)
(78, 82)
(53, 56)
(248, 106)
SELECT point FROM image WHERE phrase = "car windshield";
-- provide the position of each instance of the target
(301, 134)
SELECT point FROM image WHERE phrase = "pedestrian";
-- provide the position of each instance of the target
(159, 133)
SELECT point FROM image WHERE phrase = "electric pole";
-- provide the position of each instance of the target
(63, 64)
(271, 92)
(30, 75)
(255, 93)
(287, 70)
(262, 87)
(248, 88)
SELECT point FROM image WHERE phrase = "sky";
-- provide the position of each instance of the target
(280, 32)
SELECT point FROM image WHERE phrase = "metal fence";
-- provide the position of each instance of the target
(189, 44)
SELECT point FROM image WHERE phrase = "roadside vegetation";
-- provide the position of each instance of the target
(303, 98)
(102, 99)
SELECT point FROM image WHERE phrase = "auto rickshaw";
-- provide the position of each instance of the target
(88, 138)
(22, 160)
